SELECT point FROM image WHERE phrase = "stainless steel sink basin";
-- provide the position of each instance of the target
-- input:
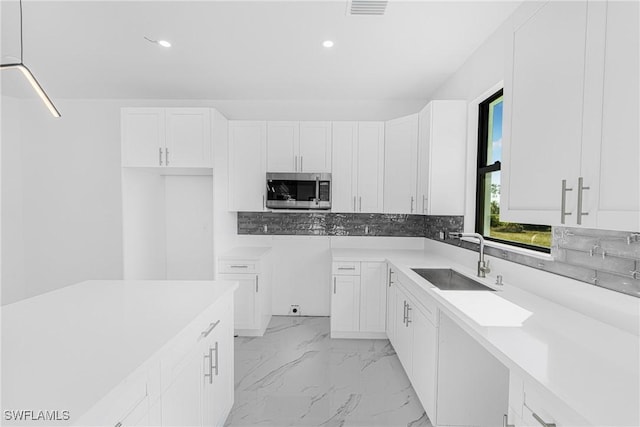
(450, 280)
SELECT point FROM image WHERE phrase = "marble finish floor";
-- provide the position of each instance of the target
(296, 375)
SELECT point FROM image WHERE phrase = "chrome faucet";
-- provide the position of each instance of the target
(483, 266)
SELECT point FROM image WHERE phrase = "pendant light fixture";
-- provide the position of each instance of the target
(29, 75)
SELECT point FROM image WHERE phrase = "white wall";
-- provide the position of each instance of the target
(71, 211)
(12, 251)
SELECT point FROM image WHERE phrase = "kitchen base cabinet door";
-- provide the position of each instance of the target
(181, 402)
(425, 342)
(473, 386)
(404, 331)
(373, 296)
(218, 389)
(391, 306)
(345, 304)
(246, 305)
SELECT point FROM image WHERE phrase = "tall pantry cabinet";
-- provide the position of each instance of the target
(167, 191)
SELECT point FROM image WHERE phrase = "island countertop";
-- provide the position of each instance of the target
(66, 349)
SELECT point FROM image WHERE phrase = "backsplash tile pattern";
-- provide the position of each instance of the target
(578, 254)
(330, 224)
(603, 258)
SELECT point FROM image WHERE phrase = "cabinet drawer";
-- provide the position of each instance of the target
(548, 409)
(348, 268)
(238, 266)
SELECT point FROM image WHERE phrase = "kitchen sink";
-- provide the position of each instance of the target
(450, 280)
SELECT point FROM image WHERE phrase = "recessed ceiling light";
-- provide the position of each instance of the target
(327, 43)
(162, 43)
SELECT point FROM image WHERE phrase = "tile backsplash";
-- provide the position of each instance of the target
(330, 224)
(609, 259)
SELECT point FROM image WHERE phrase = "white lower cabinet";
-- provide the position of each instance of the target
(390, 326)
(473, 386)
(251, 268)
(358, 299)
(200, 392)
(345, 304)
(415, 340)
(529, 407)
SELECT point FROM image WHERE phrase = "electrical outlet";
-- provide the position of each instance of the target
(294, 310)
(366, 229)
(265, 228)
(441, 235)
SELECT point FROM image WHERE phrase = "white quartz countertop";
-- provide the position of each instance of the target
(245, 252)
(590, 366)
(66, 349)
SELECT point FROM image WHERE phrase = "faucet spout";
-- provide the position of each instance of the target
(483, 267)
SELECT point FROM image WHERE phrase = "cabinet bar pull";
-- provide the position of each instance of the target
(581, 188)
(404, 320)
(264, 205)
(301, 159)
(541, 421)
(424, 204)
(412, 204)
(295, 163)
(360, 201)
(334, 285)
(390, 271)
(354, 204)
(408, 318)
(257, 278)
(563, 201)
(160, 155)
(166, 156)
(346, 268)
(505, 421)
(211, 327)
(239, 266)
(216, 365)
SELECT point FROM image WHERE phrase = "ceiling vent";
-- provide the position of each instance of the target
(367, 7)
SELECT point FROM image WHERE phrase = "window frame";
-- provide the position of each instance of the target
(483, 170)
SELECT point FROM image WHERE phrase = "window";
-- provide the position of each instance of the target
(532, 236)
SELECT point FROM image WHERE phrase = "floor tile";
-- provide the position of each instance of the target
(296, 375)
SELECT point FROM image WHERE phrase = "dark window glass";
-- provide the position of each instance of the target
(488, 222)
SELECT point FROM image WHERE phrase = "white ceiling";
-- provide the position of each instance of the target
(244, 50)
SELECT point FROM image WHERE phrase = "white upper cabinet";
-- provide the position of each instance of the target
(283, 140)
(343, 176)
(188, 137)
(441, 158)
(315, 147)
(370, 167)
(570, 144)
(358, 166)
(299, 147)
(247, 165)
(400, 165)
(167, 137)
(143, 136)
(612, 166)
(544, 82)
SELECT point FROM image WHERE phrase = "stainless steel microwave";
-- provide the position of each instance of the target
(299, 190)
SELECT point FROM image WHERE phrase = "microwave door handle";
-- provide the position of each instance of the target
(317, 190)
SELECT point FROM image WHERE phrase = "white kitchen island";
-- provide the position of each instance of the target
(118, 353)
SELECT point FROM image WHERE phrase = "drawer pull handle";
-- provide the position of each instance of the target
(541, 421)
(239, 266)
(346, 268)
(211, 327)
(505, 421)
